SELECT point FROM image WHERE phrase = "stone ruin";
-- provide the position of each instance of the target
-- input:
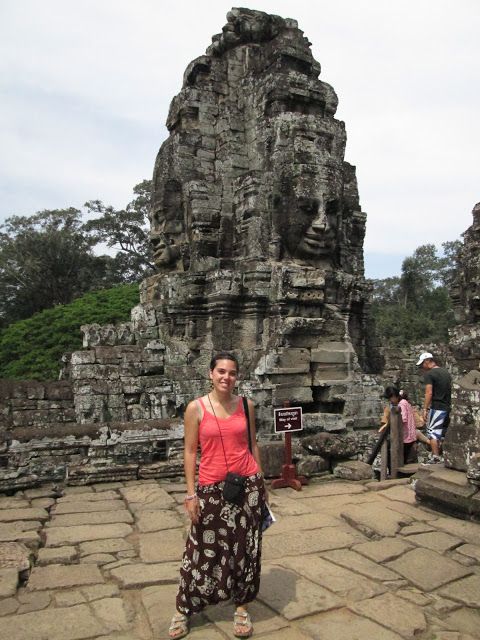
(258, 237)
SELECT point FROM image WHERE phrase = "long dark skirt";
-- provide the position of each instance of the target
(223, 551)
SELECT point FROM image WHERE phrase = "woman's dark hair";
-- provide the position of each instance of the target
(223, 355)
(390, 392)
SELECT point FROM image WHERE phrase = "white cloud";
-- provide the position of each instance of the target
(86, 87)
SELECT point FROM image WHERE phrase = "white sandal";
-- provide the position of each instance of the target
(179, 627)
(242, 619)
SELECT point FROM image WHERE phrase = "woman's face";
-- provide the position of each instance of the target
(224, 376)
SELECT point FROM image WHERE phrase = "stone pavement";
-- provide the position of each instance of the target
(344, 560)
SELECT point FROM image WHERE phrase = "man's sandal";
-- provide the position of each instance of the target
(179, 627)
(242, 624)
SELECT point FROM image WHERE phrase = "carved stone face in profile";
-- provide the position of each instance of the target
(167, 229)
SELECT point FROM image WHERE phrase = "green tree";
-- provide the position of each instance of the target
(126, 231)
(47, 259)
(416, 306)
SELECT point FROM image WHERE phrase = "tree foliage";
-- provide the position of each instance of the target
(126, 231)
(49, 258)
(46, 259)
(416, 306)
(33, 348)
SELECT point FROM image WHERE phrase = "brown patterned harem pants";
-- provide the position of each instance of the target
(223, 551)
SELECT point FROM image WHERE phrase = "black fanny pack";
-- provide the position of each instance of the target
(234, 488)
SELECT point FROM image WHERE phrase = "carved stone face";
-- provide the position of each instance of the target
(317, 222)
(307, 224)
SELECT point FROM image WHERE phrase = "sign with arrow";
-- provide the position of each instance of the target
(288, 419)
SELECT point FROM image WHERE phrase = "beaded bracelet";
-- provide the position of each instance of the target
(192, 497)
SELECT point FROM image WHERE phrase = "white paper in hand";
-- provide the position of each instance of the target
(268, 517)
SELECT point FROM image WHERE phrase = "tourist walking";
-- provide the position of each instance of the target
(437, 403)
(223, 550)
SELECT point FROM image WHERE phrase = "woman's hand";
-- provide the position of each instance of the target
(382, 428)
(192, 507)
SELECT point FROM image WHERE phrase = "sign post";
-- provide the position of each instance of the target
(287, 420)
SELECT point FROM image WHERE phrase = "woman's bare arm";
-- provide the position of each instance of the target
(191, 422)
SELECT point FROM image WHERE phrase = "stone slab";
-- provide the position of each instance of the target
(341, 581)
(408, 620)
(383, 550)
(343, 624)
(417, 512)
(427, 569)
(386, 484)
(264, 621)
(286, 506)
(146, 497)
(33, 601)
(74, 623)
(98, 558)
(292, 596)
(142, 575)
(57, 576)
(303, 522)
(13, 503)
(69, 598)
(358, 563)
(8, 606)
(436, 540)
(161, 546)
(403, 493)
(97, 517)
(30, 513)
(325, 539)
(14, 555)
(58, 536)
(158, 602)
(43, 503)
(88, 507)
(111, 613)
(470, 550)
(56, 555)
(450, 497)
(8, 582)
(468, 531)
(464, 620)
(414, 595)
(114, 545)
(466, 591)
(12, 532)
(335, 504)
(89, 497)
(99, 591)
(158, 520)
(375, 520)
(416, 527)
(320, 490)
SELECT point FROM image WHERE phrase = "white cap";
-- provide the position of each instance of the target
(423, 357)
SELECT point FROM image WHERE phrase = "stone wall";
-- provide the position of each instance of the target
(29, 403)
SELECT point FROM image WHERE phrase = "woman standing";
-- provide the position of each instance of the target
(223, 549)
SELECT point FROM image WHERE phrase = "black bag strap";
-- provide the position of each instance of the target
(247, 415)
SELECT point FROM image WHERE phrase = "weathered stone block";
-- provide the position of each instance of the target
(353, 470)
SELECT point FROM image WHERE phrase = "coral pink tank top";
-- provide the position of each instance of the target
(235, 441)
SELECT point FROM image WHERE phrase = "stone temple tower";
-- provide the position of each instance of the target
(258, 236)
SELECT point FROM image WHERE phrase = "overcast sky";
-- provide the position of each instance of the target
(86, 85)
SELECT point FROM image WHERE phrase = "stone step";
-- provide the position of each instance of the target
(408, 469)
